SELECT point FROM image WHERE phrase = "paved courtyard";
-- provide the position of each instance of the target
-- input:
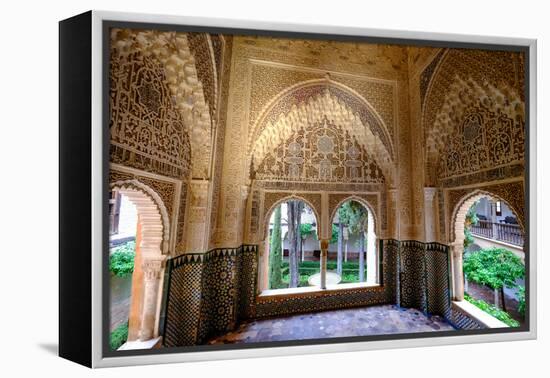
(375, 320)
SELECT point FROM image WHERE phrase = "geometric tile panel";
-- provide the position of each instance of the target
(248, 284)
(462, 320)
(207, 292)
(412, 277)
(438, 279)
(183, 304)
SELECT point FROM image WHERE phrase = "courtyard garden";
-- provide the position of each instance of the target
(493, 278)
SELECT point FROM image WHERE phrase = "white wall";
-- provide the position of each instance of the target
(128, 218)
(484, 209)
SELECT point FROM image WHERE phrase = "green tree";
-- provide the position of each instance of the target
(294, 217)
(275, 252)
(494, 267)
(471, 220)
(343, 220)
(356, 217)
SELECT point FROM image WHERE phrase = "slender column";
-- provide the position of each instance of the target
(134, 317)
(458, 275)
(494, 218)
(323, 263)
(372, 258)
(152, 271)
(430, 214)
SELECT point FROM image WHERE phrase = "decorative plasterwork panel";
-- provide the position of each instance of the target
(269, 79)
(477, 128)
(307, 101)
(176, 66)
(319, 151)
(474, 105)
(147, 132)
(427, 74)
(200, 45)
(249, 99)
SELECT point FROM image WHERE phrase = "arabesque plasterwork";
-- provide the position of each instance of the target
(246, 121)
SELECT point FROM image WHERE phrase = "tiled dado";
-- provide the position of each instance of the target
(208, 294)
(424, 277)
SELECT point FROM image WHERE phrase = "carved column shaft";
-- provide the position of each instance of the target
(323, 263)
(372, 253)
(458, 274)
(430, 214)
(152, 273)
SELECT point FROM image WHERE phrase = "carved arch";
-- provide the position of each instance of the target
(148, 202)
(364, 203)
(458, 215)
(267, 212)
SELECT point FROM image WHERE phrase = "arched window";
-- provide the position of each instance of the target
(352, 256)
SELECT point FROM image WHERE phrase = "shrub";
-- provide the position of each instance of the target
(521, 300)
(493, 311)
(121, 260)
(118, 336)
(494, 267)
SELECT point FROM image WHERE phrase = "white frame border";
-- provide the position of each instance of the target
(97, 187)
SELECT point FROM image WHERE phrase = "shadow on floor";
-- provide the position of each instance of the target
(51, 348)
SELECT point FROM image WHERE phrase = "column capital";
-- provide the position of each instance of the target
(429, 192)
(152, 267)
(324, 244)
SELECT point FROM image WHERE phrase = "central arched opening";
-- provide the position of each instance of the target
(489, 267)
(352, 256)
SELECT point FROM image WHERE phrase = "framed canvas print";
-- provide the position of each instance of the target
(237, 189)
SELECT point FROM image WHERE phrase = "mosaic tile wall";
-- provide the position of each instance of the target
(424, 277)
(438, 292)
(412, 275)
(207, 294)
(210, 293)
(183, 304)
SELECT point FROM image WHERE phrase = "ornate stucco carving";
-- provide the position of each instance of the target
(178, 70)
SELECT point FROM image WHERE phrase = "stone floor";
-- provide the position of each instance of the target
(375, 320)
